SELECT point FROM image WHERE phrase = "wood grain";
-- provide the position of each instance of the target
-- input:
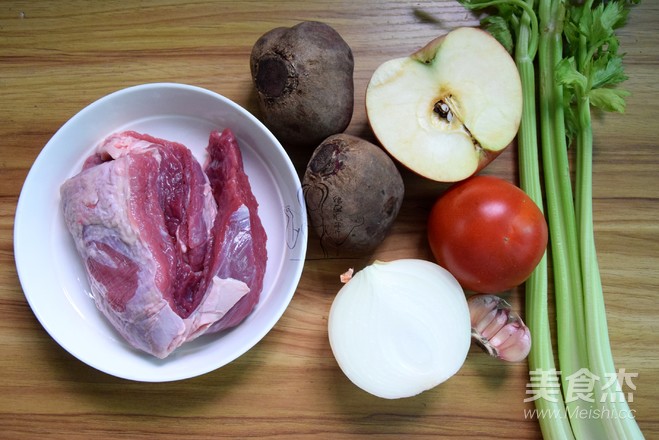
(57, 57)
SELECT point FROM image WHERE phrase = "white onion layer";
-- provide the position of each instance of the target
(399, 328)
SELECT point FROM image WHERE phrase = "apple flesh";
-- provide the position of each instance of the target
(449, 109)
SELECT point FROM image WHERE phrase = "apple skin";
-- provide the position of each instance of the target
(449, 109)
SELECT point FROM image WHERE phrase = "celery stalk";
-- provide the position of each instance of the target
(572, 349)
(601, 364)
(541, 357)
(619, 425)
(571, 76)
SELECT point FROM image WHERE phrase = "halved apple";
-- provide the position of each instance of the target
(449, 109)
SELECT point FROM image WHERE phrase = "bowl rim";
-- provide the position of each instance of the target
(33, 179)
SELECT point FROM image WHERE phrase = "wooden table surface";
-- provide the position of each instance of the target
(57, 57)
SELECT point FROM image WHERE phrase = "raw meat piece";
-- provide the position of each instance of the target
(242, 253)
(170, 254)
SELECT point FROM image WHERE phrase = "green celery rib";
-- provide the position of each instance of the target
(583, 341)
(620, 424)
(572, 348)
(541, 356)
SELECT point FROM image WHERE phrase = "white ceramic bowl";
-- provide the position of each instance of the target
(52, 274)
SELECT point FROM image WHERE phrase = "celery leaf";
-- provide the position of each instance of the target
(568, 75)
(610, 100)
(607, 71)
(497, 26)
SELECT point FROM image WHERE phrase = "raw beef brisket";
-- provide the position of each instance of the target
(172, 251)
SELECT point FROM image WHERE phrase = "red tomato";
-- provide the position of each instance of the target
(488, 233)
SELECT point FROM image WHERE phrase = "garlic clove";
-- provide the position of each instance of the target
(496, 325)
(517, 346)
(498, 329)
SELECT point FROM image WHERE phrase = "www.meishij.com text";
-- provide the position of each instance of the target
(578, 412)
(585, 394)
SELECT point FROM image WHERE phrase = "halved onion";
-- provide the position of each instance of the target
(400, 328)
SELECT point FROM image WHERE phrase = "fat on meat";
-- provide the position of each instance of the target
(172, 250)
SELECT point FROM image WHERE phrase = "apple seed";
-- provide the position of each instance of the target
(443, 110)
